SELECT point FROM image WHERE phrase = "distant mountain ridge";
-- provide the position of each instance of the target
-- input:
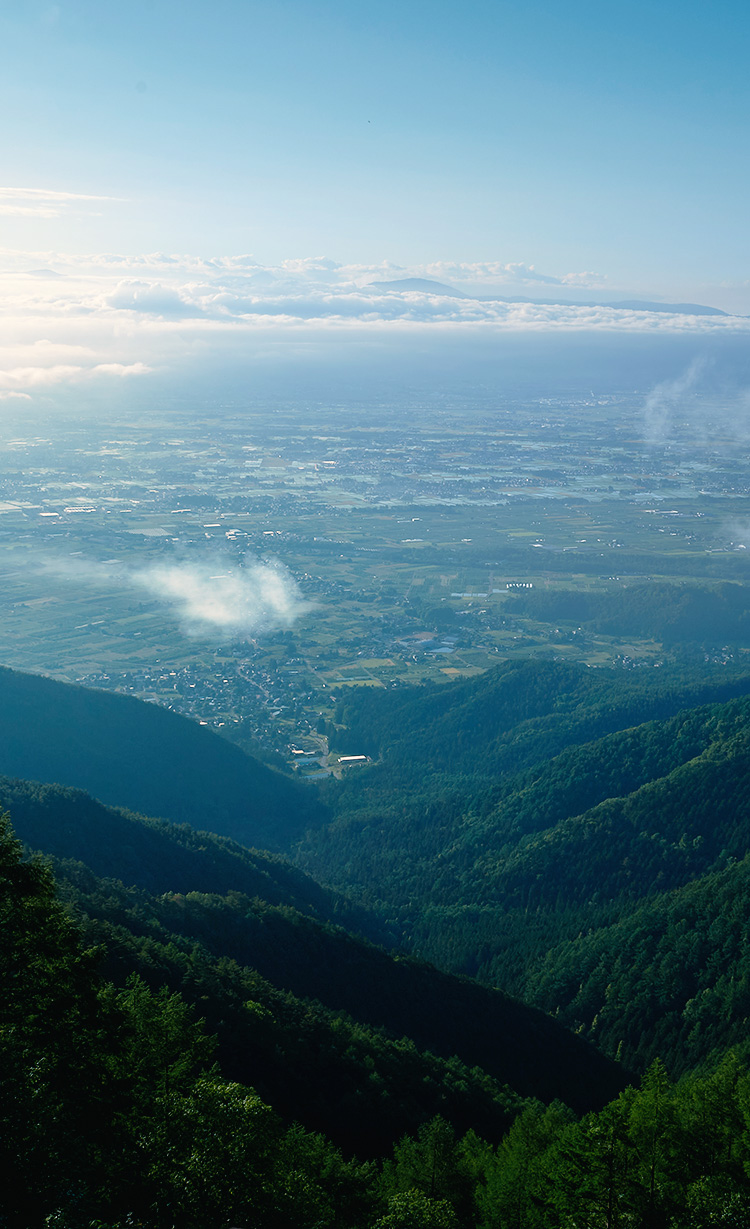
(428, 286)
(425, 284)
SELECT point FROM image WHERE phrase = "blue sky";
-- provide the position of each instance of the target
(568, 149)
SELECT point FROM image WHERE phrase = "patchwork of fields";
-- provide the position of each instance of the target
(412, 540)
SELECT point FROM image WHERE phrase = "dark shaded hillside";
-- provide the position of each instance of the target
(114, 1114)
(295, 949)
(129, 753)
(449, 1016)
(163, 857)
(318, 1067)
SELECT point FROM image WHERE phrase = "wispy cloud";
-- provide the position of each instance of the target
(667, 398)
(43, 202)
(709, 400)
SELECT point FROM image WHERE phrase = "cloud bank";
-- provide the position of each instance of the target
(69, 319)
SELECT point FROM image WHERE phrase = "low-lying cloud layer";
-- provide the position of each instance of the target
(70, 319)
(211, 600)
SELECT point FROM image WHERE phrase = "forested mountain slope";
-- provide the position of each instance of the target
(316, 1066)
(129, 753)
(517, 715)
(198, 910)
(531, 879)
(669, 979)
(512, 1043)
(114, 1114)
(519, 838)
(163, 857)
(352, 1073)
(676, 614)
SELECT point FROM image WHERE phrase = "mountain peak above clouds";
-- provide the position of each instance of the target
(423, 284)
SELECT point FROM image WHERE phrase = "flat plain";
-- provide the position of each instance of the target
(410, 533)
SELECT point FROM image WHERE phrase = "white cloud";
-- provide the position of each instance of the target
(110, 315)
(124, 370)
(61, 373)
(211, 599)
(239, 601)
(153, 297)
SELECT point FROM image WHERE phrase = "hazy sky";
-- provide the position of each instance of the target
(201, 178)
